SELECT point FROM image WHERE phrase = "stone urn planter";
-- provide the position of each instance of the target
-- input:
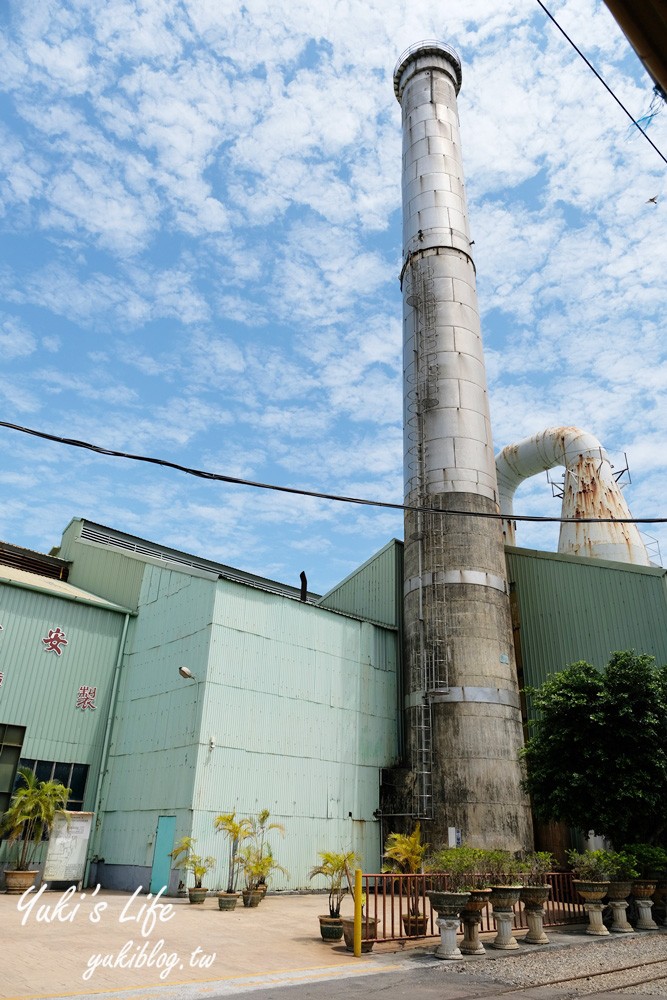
(228, 900)
(592, 893)
(18, 881)
(503, 900)
(617, 894)
(331, 928)
(368, 941)
(533, 898)
(448, 906)
(642, 891)
(471, 917)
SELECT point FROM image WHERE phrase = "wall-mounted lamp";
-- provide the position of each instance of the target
(187, 673)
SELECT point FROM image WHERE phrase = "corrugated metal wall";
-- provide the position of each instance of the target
(114, 575)
(301, 707)
(293, 709)
(39, 688)
(571, 608)
(372, 591)
(155, 742)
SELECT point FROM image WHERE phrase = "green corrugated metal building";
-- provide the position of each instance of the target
(290, 701)
(290, 705)
(568, 608)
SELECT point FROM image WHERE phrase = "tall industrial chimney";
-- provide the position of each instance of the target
(464, 730)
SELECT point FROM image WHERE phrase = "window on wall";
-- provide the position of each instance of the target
(70, 775)
(11, 741)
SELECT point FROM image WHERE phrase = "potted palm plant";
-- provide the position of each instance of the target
(257, 864)
(185, 858)
(369, 924)
(405, 855)
(236, 831)
(333, 866)
(31, 814)
(260, 827)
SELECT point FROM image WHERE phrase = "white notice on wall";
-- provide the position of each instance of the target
(68, 844)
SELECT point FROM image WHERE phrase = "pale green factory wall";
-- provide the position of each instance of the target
(109, 572)
(39, 688)
(294, 710)
(572, 608)
(301, 709)
(374, 590)
(154, 748)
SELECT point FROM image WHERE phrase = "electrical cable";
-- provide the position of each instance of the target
(237, 481)
(604, 84)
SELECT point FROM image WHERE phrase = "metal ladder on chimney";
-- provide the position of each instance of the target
(433, 621)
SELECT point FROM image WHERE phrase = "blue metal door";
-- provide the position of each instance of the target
(164, 843)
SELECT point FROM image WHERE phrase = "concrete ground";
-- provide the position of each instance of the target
(112, 943)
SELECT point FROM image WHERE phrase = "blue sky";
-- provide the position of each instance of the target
(200, 207)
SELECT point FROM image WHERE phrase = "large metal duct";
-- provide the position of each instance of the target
(589, 490)
(463, 717)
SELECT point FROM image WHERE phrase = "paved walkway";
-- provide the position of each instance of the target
(115, 944)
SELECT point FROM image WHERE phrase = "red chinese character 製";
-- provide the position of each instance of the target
(86, 698)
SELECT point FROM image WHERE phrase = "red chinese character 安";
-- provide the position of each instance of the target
(54, 640)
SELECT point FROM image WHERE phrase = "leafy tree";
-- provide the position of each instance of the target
(597, 754)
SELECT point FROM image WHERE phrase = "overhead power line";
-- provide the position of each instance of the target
(602, 81)
(317, 494)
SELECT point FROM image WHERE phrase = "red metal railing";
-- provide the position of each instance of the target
(391, 898)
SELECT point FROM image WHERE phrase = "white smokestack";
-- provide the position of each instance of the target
(462, 699)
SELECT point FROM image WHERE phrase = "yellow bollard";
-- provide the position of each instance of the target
(357, 913)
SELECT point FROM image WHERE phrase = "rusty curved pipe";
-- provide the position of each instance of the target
(590, 490)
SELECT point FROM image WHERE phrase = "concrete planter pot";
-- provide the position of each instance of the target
(448, 906)
(471, 917)
(197, 895)
(619, 890)
(643, 888)
(533, 898)
(642, 891)
(331, 928)
(503, 900)
(415, 925)
(505, 897)
(592, 893)
(252, 897)
(534, 895)
(228, 900)
(618, 893)
(18, 881)
(366, 942)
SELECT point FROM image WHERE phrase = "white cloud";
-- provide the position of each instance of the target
(201, 209)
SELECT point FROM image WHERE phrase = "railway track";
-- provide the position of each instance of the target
(613, 979)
